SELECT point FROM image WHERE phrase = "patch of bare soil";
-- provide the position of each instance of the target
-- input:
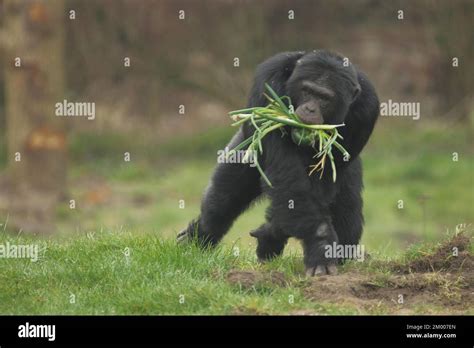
(435, 283)
(428, 293)
(438, 282)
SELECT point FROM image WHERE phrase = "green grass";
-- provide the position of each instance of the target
(96, 271)
(275, 116)
(157, 272)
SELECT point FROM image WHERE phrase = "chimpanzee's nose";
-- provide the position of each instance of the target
(310, 109)
(309, 114)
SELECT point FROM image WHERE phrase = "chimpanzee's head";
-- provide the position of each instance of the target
(322, 88)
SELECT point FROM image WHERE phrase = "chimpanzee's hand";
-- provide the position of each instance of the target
(319, 256)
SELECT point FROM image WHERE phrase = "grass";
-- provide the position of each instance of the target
(160, 277)
(157, 273)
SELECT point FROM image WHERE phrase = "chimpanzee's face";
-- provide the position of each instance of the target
(322, 91)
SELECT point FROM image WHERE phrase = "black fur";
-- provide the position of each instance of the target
(324, 212)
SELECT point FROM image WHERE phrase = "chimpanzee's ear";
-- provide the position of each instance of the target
(275, 71)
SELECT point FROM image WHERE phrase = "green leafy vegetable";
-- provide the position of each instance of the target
(276, 115)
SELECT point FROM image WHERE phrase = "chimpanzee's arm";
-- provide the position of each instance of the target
(360, 121)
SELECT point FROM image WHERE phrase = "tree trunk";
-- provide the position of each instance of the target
(36, 138)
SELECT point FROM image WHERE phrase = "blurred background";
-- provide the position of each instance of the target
(164, 74)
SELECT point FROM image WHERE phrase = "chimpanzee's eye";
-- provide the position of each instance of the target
(323, 97)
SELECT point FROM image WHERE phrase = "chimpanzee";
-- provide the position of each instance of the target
(324, 88)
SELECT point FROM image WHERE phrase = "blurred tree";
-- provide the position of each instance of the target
(2, 113)
(452, 81)
(36, 138)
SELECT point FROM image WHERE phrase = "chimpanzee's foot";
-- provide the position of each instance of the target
(189, 233)
(269, 246)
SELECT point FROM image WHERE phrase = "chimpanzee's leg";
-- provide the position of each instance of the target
(346, 211)
(300, 204)
(232, 188)
(270, 242)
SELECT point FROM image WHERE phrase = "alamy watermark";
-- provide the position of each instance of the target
(28, 330)
(239, 156)
(347, 251)
(83, 109)
(19, 251)
(403, 109)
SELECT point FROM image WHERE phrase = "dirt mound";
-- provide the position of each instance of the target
(401, 294)
(438, 282)
(253, 279)
(451, 256)
(442, 279)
